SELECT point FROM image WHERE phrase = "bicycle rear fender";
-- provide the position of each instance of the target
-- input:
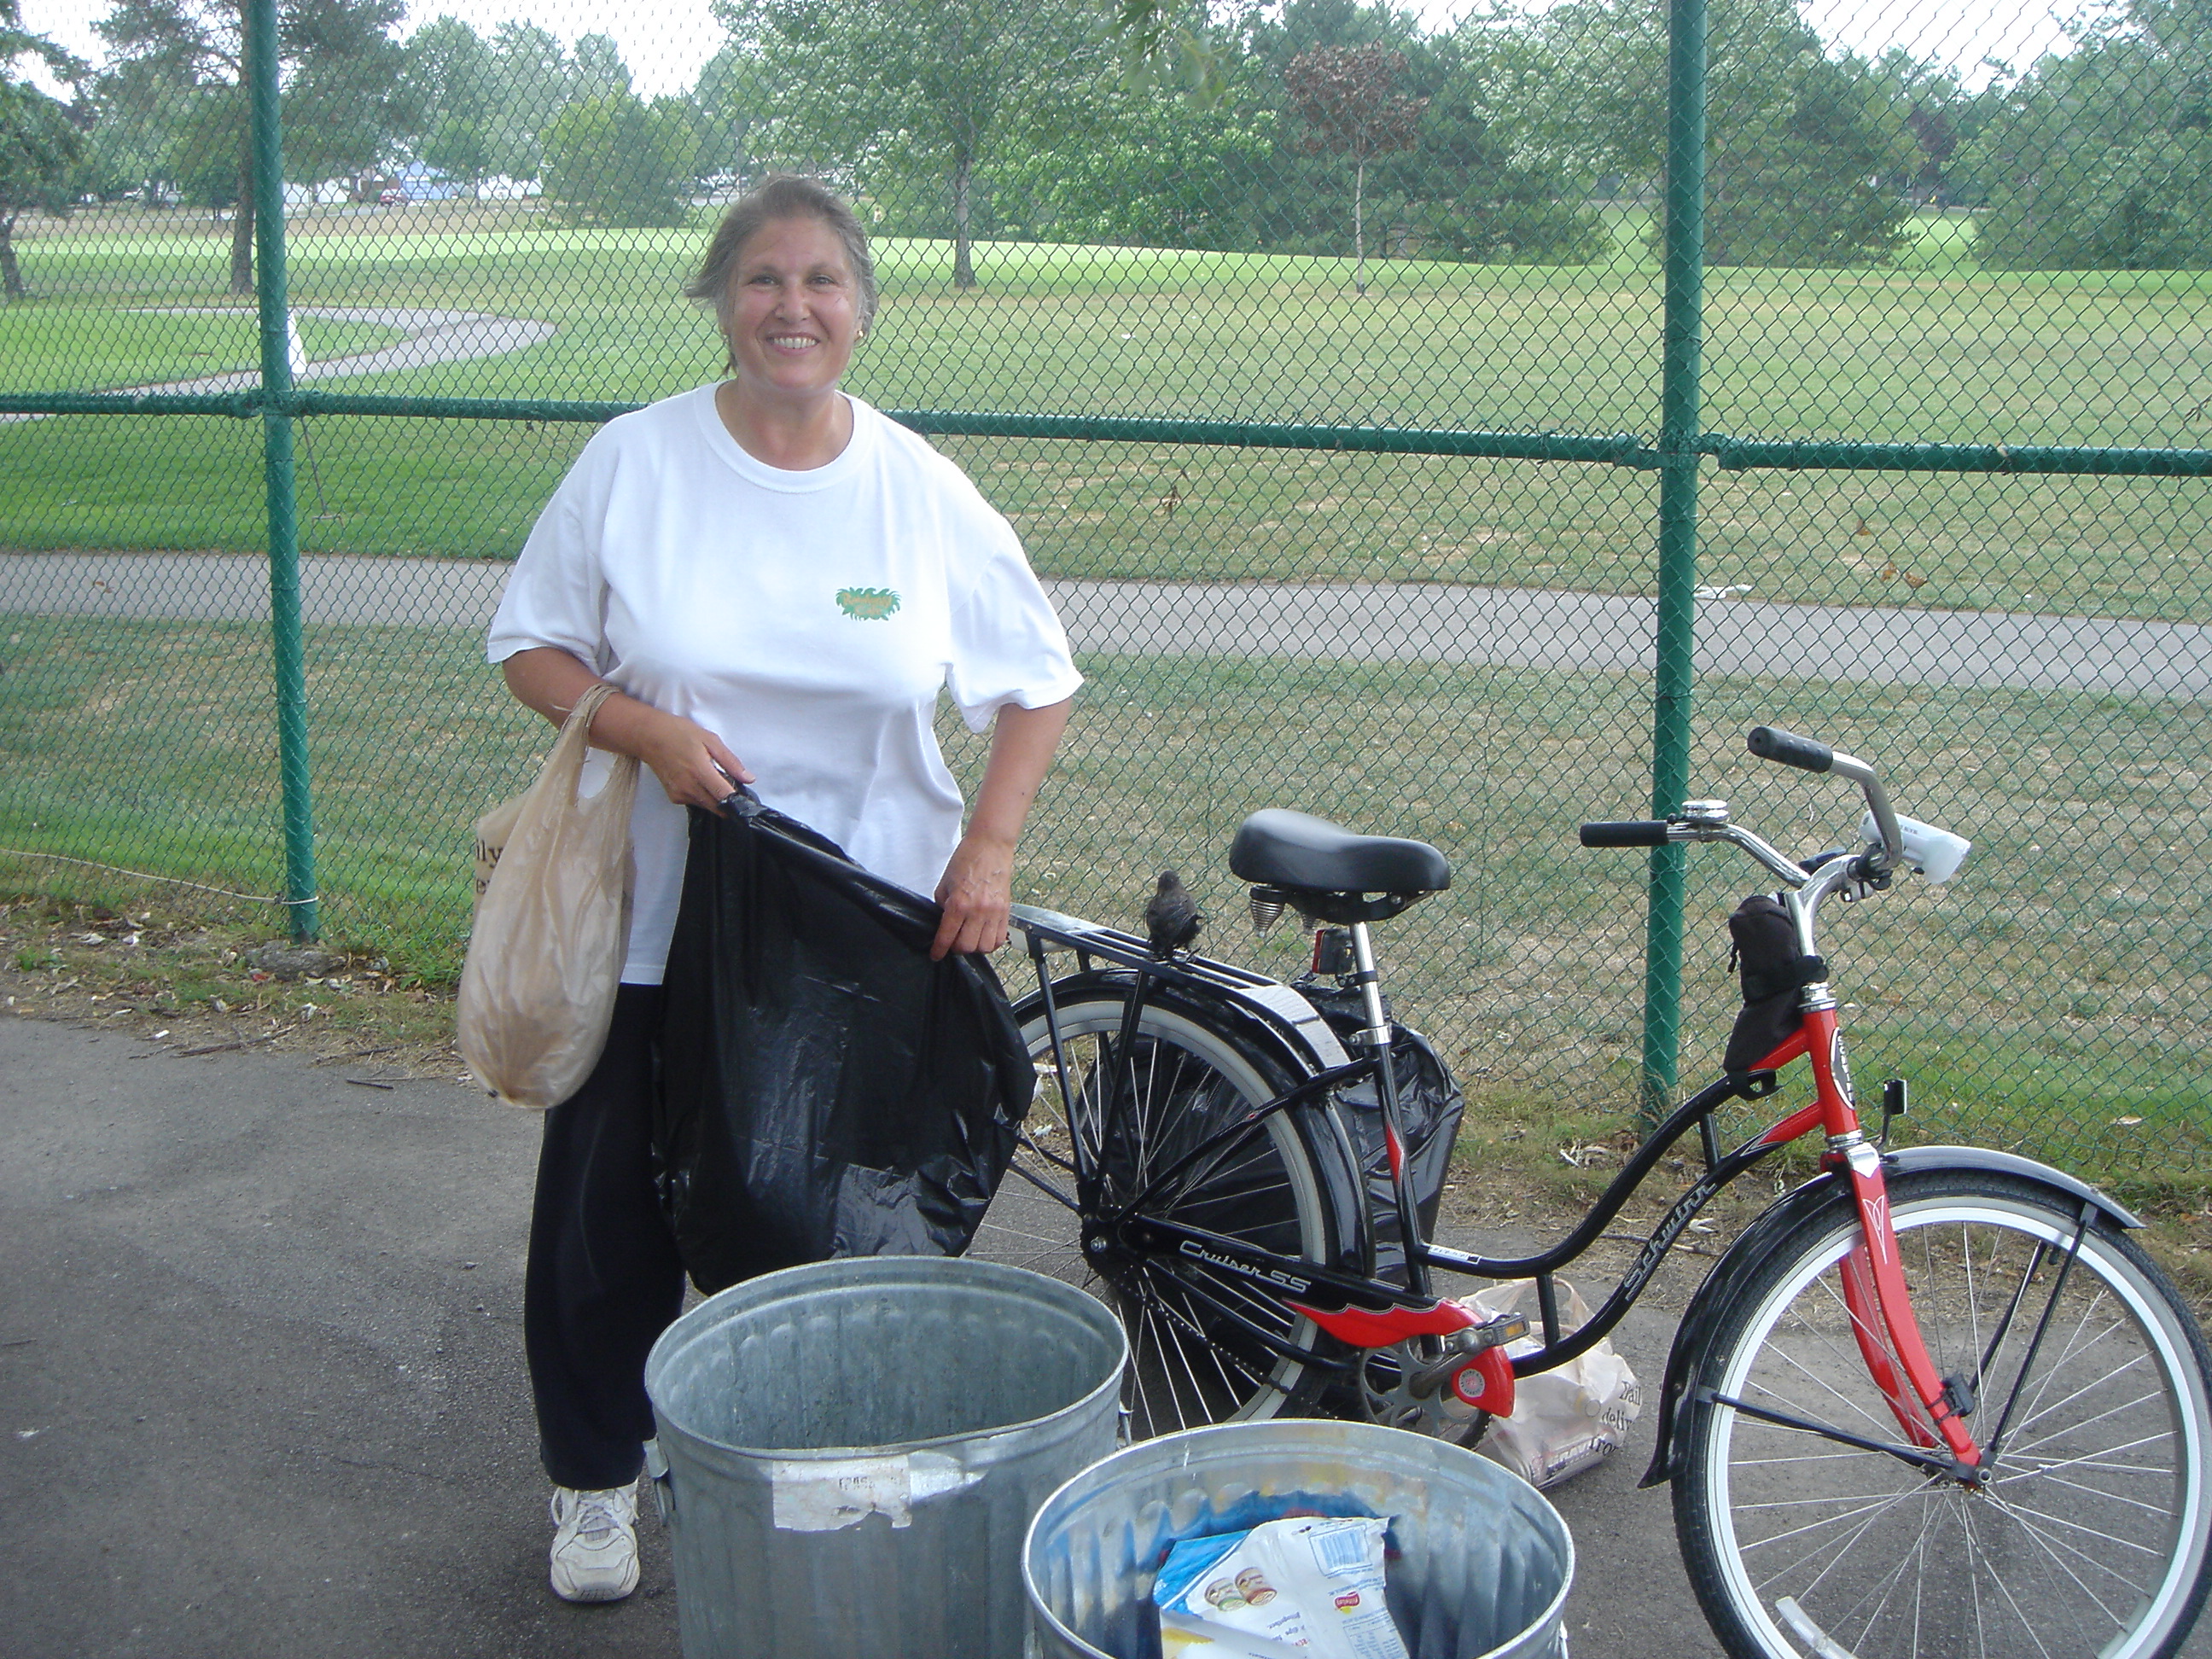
(1282, 1024)
(1794, 1207)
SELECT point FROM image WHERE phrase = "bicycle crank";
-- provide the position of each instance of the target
(1402, 1387)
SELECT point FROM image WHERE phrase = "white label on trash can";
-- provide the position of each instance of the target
(819, 1496)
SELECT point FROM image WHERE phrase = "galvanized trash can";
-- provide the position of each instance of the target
(849, 1453)
(1480, 1562)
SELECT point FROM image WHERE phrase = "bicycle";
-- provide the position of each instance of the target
(1932, 1400)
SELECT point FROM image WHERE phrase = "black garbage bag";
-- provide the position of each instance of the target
(826, 1089)
(1429, 1105)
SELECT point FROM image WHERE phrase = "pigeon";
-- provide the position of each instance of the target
(1172, 918)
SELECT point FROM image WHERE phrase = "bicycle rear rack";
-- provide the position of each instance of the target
(1278, 1005)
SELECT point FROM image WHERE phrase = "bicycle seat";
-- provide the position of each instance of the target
(1324, 868)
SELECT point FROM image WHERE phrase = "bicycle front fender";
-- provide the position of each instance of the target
(1692, 1336)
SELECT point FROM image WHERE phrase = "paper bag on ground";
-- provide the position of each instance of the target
(1565, 1420)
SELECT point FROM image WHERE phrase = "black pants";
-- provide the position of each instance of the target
(603, 1279)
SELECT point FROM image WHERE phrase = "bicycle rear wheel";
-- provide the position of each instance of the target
(1185, 1075)
(2090, 1537)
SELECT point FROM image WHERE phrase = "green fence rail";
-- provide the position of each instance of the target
(1628, 376)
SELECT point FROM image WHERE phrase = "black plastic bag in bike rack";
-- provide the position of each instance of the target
(826, 1089)
(1429, 1105)
(1764, 952)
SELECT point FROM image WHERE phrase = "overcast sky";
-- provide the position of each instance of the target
(665, 41)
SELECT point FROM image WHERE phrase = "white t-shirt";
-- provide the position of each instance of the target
(809, 619)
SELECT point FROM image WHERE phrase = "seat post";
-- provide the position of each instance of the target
(1377, 1032)
(1376, 1039)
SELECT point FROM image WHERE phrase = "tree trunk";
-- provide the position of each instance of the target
(241, 234)
(11, 278)
(963, 268)
(1358, 227)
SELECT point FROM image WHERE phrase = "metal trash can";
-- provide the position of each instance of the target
(1480, 1562)
(849, 1452)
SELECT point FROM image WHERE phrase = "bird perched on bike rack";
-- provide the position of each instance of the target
(1172, 918)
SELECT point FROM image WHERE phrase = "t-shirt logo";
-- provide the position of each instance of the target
(867, 603)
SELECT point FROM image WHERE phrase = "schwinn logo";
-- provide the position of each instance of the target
(1198, 1252)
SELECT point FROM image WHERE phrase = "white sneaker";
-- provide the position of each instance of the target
(595, 1549)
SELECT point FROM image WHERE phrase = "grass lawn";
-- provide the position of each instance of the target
(2054, 995)
(1933, 350)
(2048, 993)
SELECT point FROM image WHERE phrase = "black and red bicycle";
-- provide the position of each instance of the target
(1934, 1401)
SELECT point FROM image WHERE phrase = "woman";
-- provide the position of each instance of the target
(780, 582)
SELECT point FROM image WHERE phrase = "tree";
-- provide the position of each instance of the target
(1347, 97)
(2102, 158)
(531, 78)
(1137, 162)
(459, 148)
(914, 101)
(613, 159)
(446, 82)
(1798, 144)
(341, 85)
(40, 147)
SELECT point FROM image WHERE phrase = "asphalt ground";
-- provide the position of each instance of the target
(261, 1387)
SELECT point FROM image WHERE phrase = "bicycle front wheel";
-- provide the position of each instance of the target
(2082, 1374)
(1200, 1351)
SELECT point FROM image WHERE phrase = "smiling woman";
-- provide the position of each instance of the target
(779, 583)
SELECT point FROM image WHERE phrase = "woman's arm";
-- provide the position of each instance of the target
(696, 768)
(978, 888)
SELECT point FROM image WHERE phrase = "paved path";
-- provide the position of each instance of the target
(432, 337)
(262, 1393)
(1361, 622)
(261, 1387)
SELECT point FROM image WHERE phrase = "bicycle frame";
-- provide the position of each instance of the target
(1365, 1313)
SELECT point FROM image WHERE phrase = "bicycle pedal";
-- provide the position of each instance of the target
(1489, 1330)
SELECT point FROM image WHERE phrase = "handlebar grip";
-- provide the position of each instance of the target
(1635, 832)
(1806, 753)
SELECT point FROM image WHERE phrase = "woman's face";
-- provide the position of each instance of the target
(794, 311)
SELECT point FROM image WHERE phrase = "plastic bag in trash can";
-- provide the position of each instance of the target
(827, 1089)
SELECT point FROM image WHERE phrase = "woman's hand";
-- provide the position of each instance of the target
(977, 892)
(696, 768)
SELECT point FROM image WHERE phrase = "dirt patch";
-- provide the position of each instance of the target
(191, 984)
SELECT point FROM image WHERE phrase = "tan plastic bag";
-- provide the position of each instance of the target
(1567, 1419)
(553, 894)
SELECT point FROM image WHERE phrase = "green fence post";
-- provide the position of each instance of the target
(274, 306)
(1676, 641)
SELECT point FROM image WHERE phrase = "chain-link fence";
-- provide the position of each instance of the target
(1398, 443)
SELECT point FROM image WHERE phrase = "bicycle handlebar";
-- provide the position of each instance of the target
(1806, 753)
(1697, 823)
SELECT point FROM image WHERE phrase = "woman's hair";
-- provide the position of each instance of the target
(782, 196)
